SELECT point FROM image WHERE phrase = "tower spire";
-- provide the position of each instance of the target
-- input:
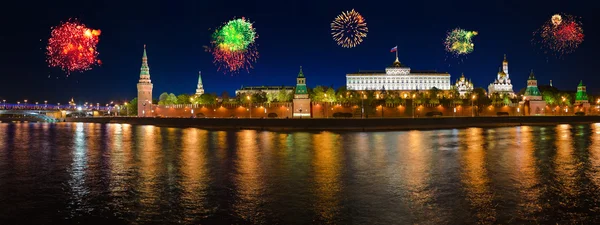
(200, 87)
(144, 88)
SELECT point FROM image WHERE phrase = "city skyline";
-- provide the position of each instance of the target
(176, 52)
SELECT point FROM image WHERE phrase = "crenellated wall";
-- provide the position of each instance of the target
(322, 110)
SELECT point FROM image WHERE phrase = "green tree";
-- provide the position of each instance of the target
(225, 96)
(317, 94)
(133, 107)
(284, 96)
(271, 97)
(496, 98)
(259, 97)
(162, 100)
(207, 99)
(549, 97)
(183, 99)
(506, 100)
(330, 96)
(172, 99)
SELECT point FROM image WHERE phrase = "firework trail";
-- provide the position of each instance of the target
(348, 29)
(72, 47)
(459, 41)
(560, 35)
(234, 47)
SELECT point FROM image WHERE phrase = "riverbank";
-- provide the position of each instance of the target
(345, 124)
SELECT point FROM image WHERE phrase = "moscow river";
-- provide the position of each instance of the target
(123, 174)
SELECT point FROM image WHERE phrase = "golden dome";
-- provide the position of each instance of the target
(501, 73)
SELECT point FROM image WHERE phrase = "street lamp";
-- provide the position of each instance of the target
(45, 103)
(249, 108)
(363, 106)
(4, 103)
(472, 109)
(127, 108)
(413, 105)
(325, 106)
(25, 103)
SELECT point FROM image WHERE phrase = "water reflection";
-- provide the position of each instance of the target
(124, 174)
(249, 179)
(148, 154)
(78, 170)
(525, 176)
(195, 174)
(327, 165)
(475, 176)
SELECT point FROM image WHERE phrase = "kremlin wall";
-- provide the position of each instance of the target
(401, 80)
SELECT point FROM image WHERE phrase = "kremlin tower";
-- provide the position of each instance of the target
(301, 102)
(200, 87)
(144, 88)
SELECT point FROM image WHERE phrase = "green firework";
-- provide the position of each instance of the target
(236, 35)
(458, 41)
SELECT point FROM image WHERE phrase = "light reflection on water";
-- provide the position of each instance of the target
(120, 173)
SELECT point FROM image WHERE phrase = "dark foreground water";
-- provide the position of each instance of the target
(123, 174)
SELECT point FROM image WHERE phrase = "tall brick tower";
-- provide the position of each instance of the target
(144, 88)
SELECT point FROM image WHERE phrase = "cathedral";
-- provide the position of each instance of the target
(463, 86)
(398, 77)
(502, 83)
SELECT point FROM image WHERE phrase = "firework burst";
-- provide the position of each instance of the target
(348, 29)
(561, 34)
(233, 46)
(72, 47)
(459, 41)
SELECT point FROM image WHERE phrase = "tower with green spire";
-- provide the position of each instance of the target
(532, 92)
(532, 99)
(144, 88)
(301, 102)
(200, 87)
(581, 96)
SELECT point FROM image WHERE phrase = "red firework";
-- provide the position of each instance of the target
(233, 61)
(72, 47)
(561, 35)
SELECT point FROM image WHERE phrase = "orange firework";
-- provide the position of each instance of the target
(72, 47)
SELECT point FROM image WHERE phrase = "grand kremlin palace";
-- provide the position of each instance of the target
(398, 77)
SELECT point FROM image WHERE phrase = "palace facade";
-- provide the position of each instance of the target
(398, 77)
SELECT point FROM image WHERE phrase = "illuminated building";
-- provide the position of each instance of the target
(581, 97)
(301, 102)
(502, 83)
(397, 77)
(463, 86)
(533, 96)
(144, 88)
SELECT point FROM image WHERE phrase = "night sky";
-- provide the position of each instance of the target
(291, 33)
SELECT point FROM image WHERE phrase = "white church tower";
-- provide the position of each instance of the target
(502, 84)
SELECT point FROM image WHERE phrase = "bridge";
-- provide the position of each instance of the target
(47, 113)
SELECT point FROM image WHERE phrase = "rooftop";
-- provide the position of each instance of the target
(263, 88)
(364, 72)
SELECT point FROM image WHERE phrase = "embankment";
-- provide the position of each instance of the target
(345, 124)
